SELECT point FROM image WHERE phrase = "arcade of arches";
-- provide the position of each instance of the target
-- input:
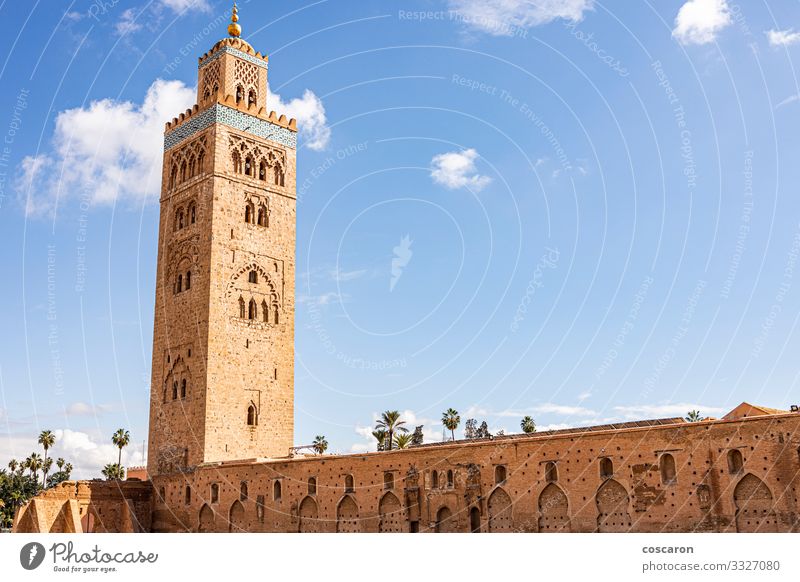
(722, 476)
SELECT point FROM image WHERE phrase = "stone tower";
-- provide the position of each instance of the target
(223, 341)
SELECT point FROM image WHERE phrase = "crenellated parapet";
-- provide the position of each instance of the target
(273, 127)
(229, 101)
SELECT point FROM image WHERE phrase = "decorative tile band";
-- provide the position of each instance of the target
(232, 118)
(235, 52)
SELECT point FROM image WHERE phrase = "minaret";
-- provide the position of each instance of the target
(223, 340)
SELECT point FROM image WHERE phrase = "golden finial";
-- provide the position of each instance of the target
(233, 28)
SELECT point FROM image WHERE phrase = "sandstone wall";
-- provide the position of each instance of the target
(88, 507)
(528, 484)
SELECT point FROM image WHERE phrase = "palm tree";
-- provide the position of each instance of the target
(451, 420)
(60, 463)
(694, 416)
(46, 465)
(113, 472)
(34, 464)
(25, 466)
(380, 436)
(47, 439)
(12, 465)
(391, 423)
(16, 499)
(121, 438)
(402, 440)
(68, 469)
(320, 444)
(527, 425)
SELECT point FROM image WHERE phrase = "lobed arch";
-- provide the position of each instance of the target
(390, 514)
(243, 274)
(252, 415)
(187, 162)
(755, 511)
(265, 164)
(308, 514)
(180, 219)
(612, 502)
(500, 516)
(183, 274)
(206, 518)
(178, 381)
(236, 518)
(186, 252)
(257, 295)
(553, 509)
(347, 516)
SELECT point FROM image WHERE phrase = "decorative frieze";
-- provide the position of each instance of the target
(232, 118)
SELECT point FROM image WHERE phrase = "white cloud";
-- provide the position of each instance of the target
(475, 412)
(181, 5)
(309, 112)
(783, 37)
(112, 150)
(87, 454)
(431, 431)
(322, 299)
(546, 408)
(83, 409)
(550, 408)
(555, 426)
(699, 21)
(502, 17)
(341, 276)
(127, 23)
(108, 151)
(640, 412)
(790, 99)
(457, 170)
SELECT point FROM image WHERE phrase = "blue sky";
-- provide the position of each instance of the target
(581, 211)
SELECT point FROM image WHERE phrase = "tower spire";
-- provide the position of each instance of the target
(233, 28)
